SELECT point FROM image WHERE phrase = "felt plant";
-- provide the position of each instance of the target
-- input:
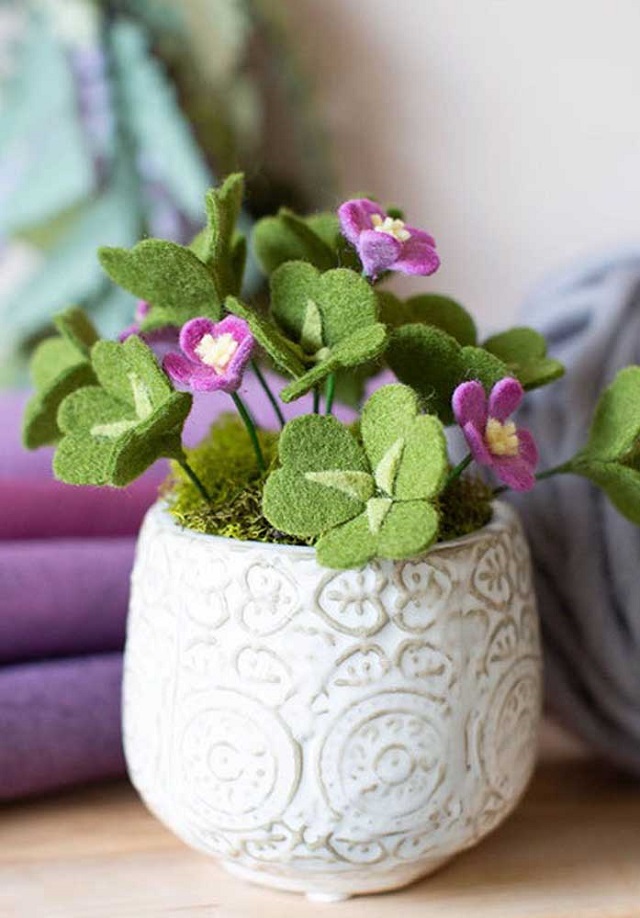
(382, 487)
(331, 317)
(362, 500)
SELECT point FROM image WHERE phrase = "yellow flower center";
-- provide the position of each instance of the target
(217, 352)
(391, 226)
(502, 439)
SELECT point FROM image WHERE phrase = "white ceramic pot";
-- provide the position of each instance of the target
(332, 733)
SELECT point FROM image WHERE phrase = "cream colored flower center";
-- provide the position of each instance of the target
(502, 439)
(217, 352)
(391, 226)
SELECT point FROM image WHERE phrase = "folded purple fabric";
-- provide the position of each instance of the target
(62, 597)
(59, 724)
(47, 509)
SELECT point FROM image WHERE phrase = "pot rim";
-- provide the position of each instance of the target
(503, 514)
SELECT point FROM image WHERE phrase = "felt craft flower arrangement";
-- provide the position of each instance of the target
(382, 486)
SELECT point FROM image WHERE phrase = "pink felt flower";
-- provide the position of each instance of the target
(385, 243)
(214, 355)
(493, 438)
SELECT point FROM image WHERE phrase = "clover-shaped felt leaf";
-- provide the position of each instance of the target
(331, 317)
(324, 478)
(433, 363)
(429, 309)
(59, 366)
(170, 277)
(524, 351)
(116, 429)
(363, 502)
(407, 450)
(267, 335)
(611, 456)
(287, 237)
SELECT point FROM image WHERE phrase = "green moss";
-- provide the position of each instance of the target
(464, 507)
(226, 464)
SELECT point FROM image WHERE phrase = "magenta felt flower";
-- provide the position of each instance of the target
(494, 439)
(214, 355)
(385, 243)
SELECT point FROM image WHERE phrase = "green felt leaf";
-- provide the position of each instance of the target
(620, 483)
(429, 361)
(331, 317)
(59, 366)
(429, 309)
(223, 205)
(615, 428)
(358, 348)
(287, 237)
(362, 502)
(611, 456)
(268, 336)
(407, 530)
(113, 431)
(476, 363)
(345, 300)
(406, 450)
(350, 545)
(295, 499)
(524, 351)
(170, 277)
(433, 363)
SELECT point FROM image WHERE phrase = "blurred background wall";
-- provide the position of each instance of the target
(511, 129)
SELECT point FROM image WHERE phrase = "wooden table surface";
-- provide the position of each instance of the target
(572, 849)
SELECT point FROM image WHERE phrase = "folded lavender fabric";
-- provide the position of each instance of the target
(59, 724)
(63, 597)
(47, 509)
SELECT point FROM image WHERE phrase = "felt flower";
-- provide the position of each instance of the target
(494, 439)
(141, 313)
(386, 243)
(214, 355)
(363, 499)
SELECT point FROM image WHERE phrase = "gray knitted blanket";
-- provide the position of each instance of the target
(587, 557)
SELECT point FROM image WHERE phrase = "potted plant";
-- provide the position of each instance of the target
(332, 675)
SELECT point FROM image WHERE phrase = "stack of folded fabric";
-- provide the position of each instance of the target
(65, 559)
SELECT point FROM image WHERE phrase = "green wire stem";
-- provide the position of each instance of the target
(266, 388)
(251, 429)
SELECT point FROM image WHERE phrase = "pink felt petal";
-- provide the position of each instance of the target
(476, 444)
(178, 368)
(421, 234)
(355, 217)
(505, 398)
(527, 448)
(469, 404)
(378, 252)
(192, 333)
(142, 310)
(515, 472)
(205, 379)
(418, 255)
(233, 326)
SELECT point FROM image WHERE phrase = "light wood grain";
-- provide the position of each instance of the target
(572, 850)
